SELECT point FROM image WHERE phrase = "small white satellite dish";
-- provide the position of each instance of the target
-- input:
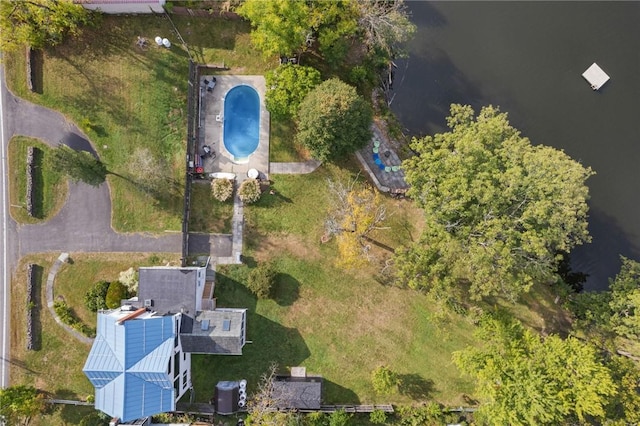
(158, 40)
(166, 42)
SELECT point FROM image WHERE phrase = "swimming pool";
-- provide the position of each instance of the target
(241, 122)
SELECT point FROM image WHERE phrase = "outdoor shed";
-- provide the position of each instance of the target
(300, 393)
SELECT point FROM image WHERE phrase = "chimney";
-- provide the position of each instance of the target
(132, 315)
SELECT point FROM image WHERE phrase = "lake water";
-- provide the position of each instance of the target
(528, 58)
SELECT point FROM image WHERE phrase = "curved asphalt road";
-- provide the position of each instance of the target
(84, 223)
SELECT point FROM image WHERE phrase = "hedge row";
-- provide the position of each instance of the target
(30, 305)
(30, 170)
(66, 315)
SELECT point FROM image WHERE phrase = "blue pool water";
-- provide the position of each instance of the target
(241, 121)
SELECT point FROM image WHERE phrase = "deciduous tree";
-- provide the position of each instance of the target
(263, 404)
(615, 310)
(40, 23)
(355, 211)
(19, 403)
(498, 209)
(279, 26)
(261, 280)
(284, 27)
(79, 165)
(333, 121)
(384, 380)
(523, 379)
(385, 24)
(625, 300)
(287, 86)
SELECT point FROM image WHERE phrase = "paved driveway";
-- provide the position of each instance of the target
(84, 223)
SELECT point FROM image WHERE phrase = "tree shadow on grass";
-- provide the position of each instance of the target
(268, 342)
(71, 414)
(37, 70)
(333, 393)
(415, 386)
(286, 290)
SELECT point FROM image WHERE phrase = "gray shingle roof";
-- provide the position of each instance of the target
(214, 339)
(171, 289)
(298, 392)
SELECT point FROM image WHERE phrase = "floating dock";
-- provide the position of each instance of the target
(595, 76)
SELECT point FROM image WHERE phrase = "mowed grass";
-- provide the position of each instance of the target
(209, 215)
(49, 186)
(56, 364)
(127, 98)
(282, 145)
(340, 324)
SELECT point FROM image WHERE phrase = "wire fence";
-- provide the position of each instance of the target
(192, 138)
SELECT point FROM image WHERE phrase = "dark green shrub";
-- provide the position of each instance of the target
(97, 418)
(339, 418)
(261, 280)
(378, 417)
(95, 298)
(384, 380)
(317, 418)
(117, 291)
(66, 315)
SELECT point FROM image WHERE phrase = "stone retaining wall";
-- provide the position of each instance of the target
(31, 152)
(30, 305)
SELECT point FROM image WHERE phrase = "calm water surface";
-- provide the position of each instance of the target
(528, 57)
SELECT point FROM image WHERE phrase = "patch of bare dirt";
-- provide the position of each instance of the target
(276, 244)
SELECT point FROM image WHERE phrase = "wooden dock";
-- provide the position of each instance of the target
(595, 76)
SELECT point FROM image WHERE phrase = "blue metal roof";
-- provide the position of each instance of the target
(128, 365)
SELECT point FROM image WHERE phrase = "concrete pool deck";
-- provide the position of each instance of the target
(211, 122)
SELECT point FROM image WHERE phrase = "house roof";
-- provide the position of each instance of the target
(171, 289)
(128, 365)
(220, 331)
(298, 392)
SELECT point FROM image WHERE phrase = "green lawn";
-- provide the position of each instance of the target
(340, 324)
(126, 98)
(56, 364)
(208, 214)
(49, 187)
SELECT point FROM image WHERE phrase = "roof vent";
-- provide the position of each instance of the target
(148, 303)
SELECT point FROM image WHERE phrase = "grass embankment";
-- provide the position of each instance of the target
(126, 98)
(49, 186)
(56, 364)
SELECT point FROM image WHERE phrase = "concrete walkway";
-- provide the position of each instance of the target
(49, 292)
(294, 168)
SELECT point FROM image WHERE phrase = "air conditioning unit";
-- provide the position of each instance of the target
(148, 303)
(242, 403)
